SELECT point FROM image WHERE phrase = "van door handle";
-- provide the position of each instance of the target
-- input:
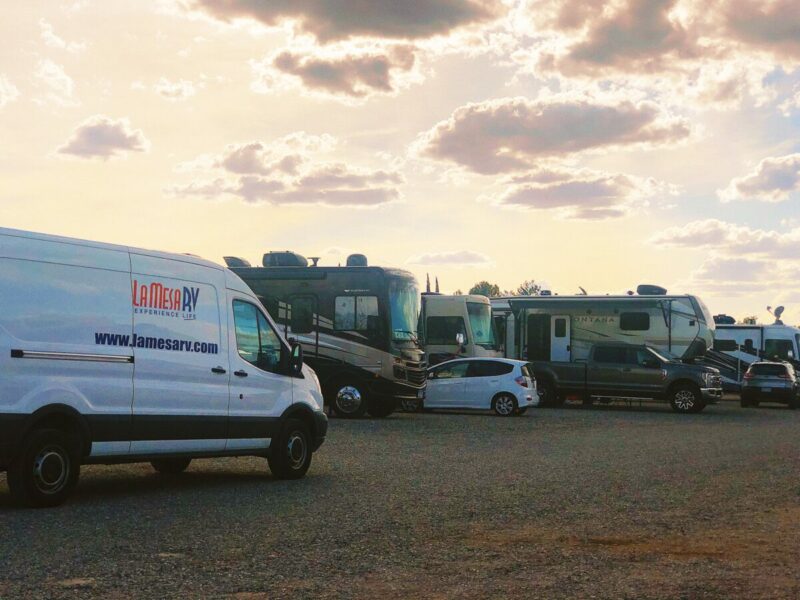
(240, 373)
(219, 370)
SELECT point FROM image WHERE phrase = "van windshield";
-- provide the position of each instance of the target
(480, 321)
(404, 309)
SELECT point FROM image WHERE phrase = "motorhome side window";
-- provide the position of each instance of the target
(256, 341)
(443, 330)
(726, 345)
(302, 320)
(781, 349)
(356, 313)
(634, 321)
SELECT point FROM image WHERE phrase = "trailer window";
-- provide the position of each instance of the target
(560, 329)
(726, 345)
(356, 313)
(634, 321)
(779, 349)
(443, 330)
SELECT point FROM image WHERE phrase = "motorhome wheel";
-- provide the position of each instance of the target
(349, 401)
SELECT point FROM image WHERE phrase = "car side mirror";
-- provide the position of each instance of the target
(430, 374)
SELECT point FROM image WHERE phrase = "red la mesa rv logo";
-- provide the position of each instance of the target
(157, 298)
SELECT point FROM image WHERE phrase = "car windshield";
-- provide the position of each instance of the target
(404, 308)
(480, 321)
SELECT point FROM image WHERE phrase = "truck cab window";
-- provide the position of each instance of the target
(634, 321)
(443, 330)
(610, 354)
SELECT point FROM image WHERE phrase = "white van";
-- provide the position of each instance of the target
(110, 354)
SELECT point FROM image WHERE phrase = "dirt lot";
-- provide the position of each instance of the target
(571, 502)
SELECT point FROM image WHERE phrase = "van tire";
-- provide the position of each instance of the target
(46, 469)
(504, 405)
(381, 410)
(348, 400)
(291, 450)
(171, 466)
(686, 399)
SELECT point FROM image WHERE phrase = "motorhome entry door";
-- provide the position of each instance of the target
(560, 349)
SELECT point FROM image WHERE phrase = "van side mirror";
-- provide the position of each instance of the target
(294, 361)
(461, 339)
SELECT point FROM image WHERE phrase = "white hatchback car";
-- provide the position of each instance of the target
(503, 385)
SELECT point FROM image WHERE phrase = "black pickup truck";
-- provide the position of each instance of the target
(629, 372)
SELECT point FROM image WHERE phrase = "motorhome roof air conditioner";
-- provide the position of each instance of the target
(356, 260)
(724, 320)
(235, 261)
(285, 258)
(651, 290)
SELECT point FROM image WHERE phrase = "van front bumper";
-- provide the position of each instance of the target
(711, 395)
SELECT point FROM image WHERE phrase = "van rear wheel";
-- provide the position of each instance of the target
(349, 400)
(46, 469)
(291, 450)
(171, 466)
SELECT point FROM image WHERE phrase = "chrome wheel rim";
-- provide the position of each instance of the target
(684, 400)
(297, 450)
(504, 405)
(50, 470)
(348, 399)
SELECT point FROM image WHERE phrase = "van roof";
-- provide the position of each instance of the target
(189, 258)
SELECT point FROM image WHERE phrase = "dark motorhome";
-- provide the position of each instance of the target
(357, 325)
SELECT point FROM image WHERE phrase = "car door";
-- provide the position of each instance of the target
(604, 373)
(642, 373)
(483, 381)
(446, 385)
(260, 390)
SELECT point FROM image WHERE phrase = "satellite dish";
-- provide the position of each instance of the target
(779, 312)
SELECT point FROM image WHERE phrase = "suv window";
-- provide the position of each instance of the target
(634, 321)
(767, 370)
(451, 371)
(256, 341)
(443, 330)
(610, 354)
(488, 368)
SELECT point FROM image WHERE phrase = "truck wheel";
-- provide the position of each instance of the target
(504, 405)
(380, 410)
(548, 396)
(349, 401)
(46, 469)
(743, 402)
(290, 452)
(794, 403)
(171, 466)
(686, 399)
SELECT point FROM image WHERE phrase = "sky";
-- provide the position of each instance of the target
(592, 144)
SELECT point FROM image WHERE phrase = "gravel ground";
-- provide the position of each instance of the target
(570, 502)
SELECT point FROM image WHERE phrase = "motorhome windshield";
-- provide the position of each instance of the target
(480, 320)
(404, 307)
(702, 311)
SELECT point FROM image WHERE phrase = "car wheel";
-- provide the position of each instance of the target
(171, 466)
(46, 469)
(349, 401)
(686, 399)
(504, 405)
(382, 409)
(291, 450)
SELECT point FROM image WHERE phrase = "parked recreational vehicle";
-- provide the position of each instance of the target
(112, 354)
(747, 344)
(564, 328)
(457, 327)
(357, 325)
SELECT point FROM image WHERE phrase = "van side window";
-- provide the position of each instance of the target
(634, 321)
(443, 330)
(356, 313)
(256, 341)
(302, 314)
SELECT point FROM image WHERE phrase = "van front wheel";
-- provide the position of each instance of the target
(46, 469)
(290, 451)
(171, 466)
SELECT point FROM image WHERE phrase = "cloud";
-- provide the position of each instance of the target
(8, 92)
(512, 134)
(344, 73)
(103, 137)
(175, 91)
(454, 258)
(579, 194)
(50, 39)
(58, 87)
(773, 180)
(330, 21)
(288, 171)
(772, 25)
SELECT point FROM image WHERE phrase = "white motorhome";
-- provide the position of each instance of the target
(111, 354)
(747, 344)
(457, 327)
(564, 328)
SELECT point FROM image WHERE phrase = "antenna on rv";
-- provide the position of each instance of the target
(583, 291)
(437, 284)
(427, 283)
(314, 260)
